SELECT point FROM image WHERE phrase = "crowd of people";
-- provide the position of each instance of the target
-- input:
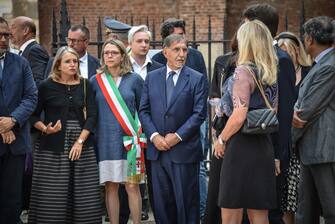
(82, 138)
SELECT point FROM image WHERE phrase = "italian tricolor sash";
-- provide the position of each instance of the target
(135, 140)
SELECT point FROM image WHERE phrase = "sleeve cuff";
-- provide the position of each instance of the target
(178, 136)
(153, 135)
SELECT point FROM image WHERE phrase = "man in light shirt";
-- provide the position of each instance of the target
(78, 38)
(23, 32)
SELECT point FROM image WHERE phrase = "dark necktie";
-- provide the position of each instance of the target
(1, 68)
(169, 86)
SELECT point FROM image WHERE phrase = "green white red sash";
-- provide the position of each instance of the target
(135, 140)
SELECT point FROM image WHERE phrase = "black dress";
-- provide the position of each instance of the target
(247, 178)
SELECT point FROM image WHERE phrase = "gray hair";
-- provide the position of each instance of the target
(321, 29)
(173, 38)
(136, 29)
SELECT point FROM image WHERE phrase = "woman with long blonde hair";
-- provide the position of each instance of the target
(247, 179)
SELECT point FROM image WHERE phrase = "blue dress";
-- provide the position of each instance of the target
(112, 155)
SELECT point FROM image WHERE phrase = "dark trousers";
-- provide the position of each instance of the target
(316, 191)
(175, 191)
(11, 178)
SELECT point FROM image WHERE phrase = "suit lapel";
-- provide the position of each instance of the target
(182, 81)
(161, 87)
(6, 70)
(27, 49)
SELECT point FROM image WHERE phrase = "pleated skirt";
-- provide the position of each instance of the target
(65, 191)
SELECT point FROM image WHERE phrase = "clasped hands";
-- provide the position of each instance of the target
(297, 122)
(6, 124)
(165, 143)
(49, 129)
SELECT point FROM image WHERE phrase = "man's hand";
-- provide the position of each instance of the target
(160, 143)
(297, 122)
(172, 139)
(6, 124)
(8, 137)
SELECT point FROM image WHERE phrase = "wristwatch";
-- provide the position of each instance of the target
(80, 141)
(13, 120)
(221, 141)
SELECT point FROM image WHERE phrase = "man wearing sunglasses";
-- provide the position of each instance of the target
(78, 38)
(18, 99)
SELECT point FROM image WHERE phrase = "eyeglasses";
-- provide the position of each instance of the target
(75, 41)
(5, 35)
(113, 53)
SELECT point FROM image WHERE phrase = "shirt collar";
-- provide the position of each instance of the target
(147, 61)
(23, 46)
(323, 53)
(274, 42)
(168, 70)
(84, 58)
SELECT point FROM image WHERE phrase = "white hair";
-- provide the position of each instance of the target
(136, 29)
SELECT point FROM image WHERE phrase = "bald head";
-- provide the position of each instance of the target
(23, 29)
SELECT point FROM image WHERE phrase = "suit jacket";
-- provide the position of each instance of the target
(93, 65)
(18, 98)
(38, 59)
(286, 99)
(316, 141)
(194, 60)
(153, 66)
(184, 114)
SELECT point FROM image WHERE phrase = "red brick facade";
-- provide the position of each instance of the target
(156, 10)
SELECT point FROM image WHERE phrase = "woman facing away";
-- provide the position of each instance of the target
(247, 178)
(65, 182)
(290, 43)
(117, 93)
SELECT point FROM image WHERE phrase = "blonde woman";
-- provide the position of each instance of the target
(247, 177)
(290, 43)
(65, 182)
(117, 93)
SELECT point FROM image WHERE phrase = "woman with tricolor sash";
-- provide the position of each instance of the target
(119, 136)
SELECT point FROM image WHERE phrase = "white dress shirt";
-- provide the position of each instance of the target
(141, 70)
(24, 46)
(83, 66)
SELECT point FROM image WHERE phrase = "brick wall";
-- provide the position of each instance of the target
(157, 10)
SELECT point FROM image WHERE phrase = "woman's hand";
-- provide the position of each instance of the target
(277, 167)
(75, 151)
(219, 149)
(53, 129)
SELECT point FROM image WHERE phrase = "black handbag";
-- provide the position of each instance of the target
(261, 121)
(218, 123)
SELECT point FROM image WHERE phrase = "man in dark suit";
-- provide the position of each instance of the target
(173, 106)
(195, 61)
(286, 90)
(314, 127)
(23, 32)
(78, 38)
(18, 99)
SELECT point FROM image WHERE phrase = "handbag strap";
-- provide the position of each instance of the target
(85, 90)
(260, 87)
